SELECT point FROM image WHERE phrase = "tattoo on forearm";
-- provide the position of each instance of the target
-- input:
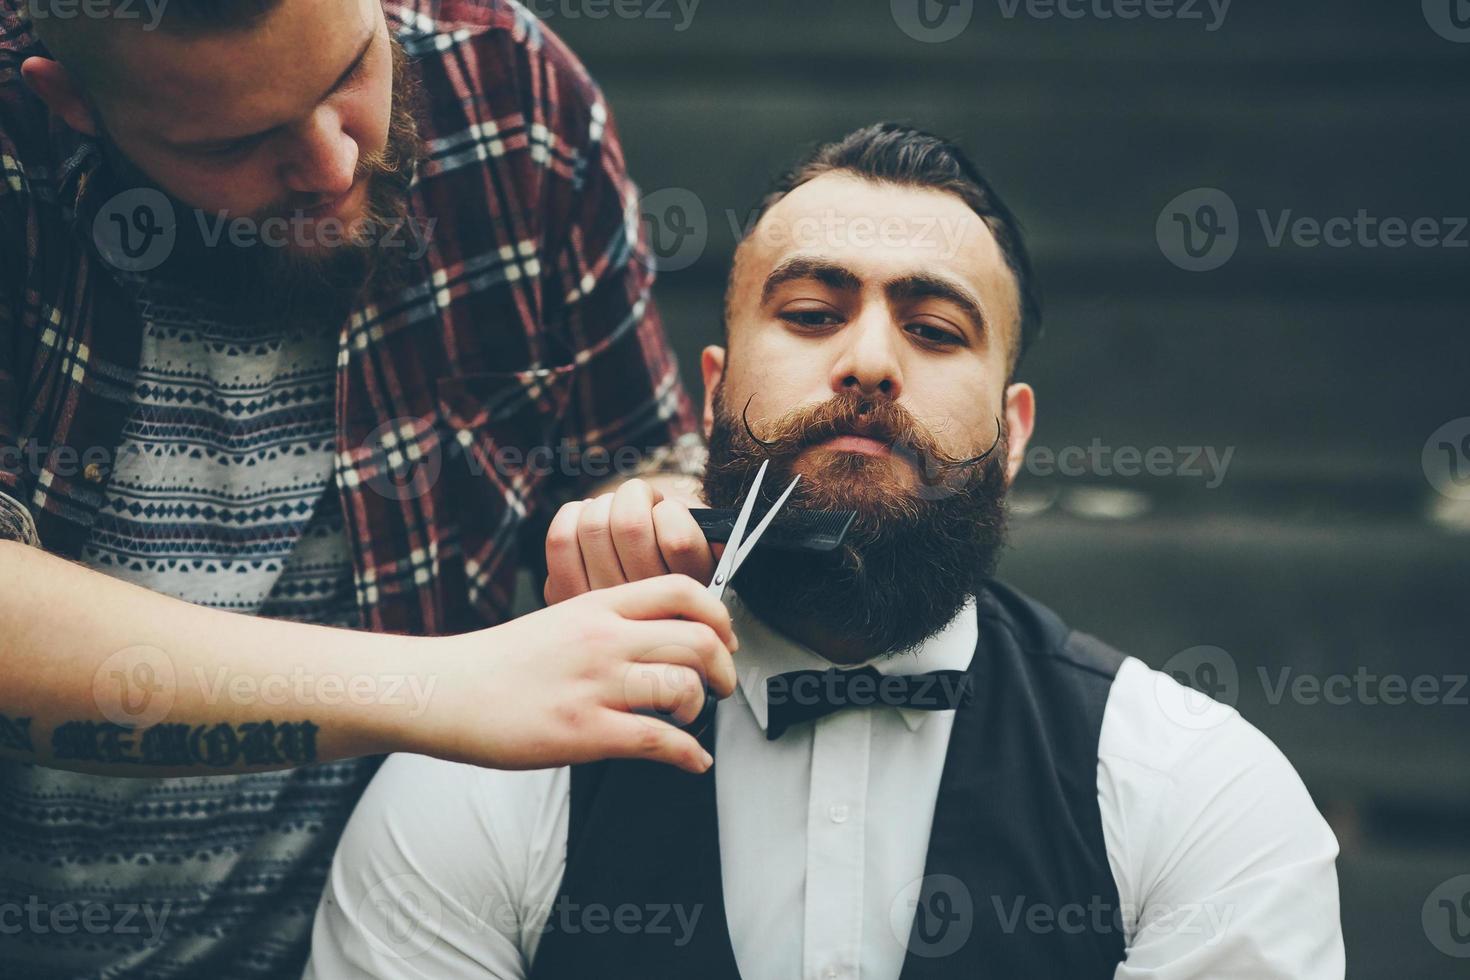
(266, 743)
(15, 733)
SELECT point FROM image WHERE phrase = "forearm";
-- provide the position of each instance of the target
(105, 677)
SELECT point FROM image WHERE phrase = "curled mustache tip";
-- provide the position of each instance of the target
(745, 419)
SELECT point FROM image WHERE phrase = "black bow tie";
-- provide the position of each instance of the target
(806, 695)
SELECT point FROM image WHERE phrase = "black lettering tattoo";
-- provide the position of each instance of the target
(219, 746)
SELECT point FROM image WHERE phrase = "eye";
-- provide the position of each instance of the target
(227, 151)
(811, 319)
(931, 334)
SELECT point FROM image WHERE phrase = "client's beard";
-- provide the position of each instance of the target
(922, 542)
(267, 283)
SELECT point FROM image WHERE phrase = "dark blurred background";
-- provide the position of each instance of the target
(1332, 543)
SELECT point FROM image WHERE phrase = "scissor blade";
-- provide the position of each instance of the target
(726, 568)
(749, 544)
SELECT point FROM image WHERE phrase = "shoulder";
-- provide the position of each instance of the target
(503, 808)
(1202, 813)
(490, 48)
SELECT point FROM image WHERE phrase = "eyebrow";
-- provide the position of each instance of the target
(341, 80)
(913, 286)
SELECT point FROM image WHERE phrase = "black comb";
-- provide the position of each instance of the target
(792, 530)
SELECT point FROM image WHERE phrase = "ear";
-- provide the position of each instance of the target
(59, 89)
(1020, 423)
(712, 366)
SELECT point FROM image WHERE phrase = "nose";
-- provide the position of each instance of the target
(869, 362)
(324, 162)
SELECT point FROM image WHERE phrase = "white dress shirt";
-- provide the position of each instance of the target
(1223, 866)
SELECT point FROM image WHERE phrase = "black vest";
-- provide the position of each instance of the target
(1017, 882)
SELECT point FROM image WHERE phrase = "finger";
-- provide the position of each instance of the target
(594, 534)
(639, 737)
(692, 645)
(566, 576)
(681, 542)
(672, 690)
(670, 597)
(632, 530)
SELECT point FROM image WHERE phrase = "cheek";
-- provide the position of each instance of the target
(780, 370)
(959, 408)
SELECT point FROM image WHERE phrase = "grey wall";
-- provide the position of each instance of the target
(1325, 550)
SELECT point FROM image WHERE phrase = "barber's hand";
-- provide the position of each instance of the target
(634, 533)
(557, 686)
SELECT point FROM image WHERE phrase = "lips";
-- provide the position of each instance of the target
(867, 445)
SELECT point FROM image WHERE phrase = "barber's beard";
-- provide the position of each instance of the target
(268, 283)
(929, 529)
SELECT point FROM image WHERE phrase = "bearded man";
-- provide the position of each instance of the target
(292, 293)
(922, 772)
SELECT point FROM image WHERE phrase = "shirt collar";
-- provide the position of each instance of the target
(765, 653)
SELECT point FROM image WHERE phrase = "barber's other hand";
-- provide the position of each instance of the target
(631, 534)
(558, 686)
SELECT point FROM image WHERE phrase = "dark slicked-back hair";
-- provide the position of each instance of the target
(895, 153)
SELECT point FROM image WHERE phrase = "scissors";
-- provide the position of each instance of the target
(737, 548)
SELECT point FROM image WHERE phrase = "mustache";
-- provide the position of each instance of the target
(879, 419)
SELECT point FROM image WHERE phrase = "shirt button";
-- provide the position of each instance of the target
(838, 813)
(92, 473)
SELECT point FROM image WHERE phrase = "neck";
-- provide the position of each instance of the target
(826, 642)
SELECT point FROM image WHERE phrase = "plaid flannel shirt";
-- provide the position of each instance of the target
(522, 358)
